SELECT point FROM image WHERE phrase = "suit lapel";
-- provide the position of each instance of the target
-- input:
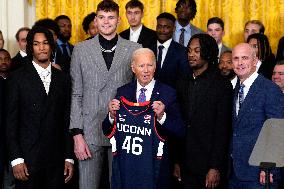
(142, 35)
(118, 59)
(98, 56)
(35, 80)
(249, 99)
(168, 56)
(155, 93)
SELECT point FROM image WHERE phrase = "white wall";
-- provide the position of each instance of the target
(15, 14)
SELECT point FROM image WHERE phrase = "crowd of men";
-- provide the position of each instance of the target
(63, 108)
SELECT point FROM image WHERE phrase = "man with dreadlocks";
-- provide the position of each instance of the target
(206, 102)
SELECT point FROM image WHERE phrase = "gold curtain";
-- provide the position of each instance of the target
(235, 13)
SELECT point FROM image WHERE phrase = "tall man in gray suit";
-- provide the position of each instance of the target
(186, 11)
(98, 67)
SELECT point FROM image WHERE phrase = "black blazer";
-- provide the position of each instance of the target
(207, 115)
(37, 123)
(174, 65)
(147, 36)
(2, 126)
(63, 61)
(18, 61)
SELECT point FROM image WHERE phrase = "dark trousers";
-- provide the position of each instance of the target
(51, 177)
(192, 181)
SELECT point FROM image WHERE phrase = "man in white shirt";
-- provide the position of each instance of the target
(20, 58)
(164, 104)
(171, 56)
(256, 99)
(215, 28)
(39, 144)
(137, 32)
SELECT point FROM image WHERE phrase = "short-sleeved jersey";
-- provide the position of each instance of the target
(137, 147)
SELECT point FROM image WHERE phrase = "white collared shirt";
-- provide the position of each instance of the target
(134, 35)
(148, 93)
(166, 45)
(234, 81)
(44, 74)
(247, 83)
(220, 48)
(187, 33)
(23, 54)
(258, 64)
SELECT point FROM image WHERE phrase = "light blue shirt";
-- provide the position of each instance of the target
(187, 33)
(59, 43)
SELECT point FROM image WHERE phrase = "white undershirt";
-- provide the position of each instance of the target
(134, 35)
(166, 45)
(248, 82)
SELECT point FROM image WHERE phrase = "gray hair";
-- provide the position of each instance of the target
(142, 51)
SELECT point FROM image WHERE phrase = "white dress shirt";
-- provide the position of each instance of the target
(46, 79)
(166, 45)
(220, 48)
(148, 93)
(234, 81)
(44, 74)
(134, 35)
(23, 54)
(258, 64)
(247, 83)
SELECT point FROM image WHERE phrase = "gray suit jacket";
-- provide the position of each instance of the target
(195, 30)
(224, 48)
(93, 86)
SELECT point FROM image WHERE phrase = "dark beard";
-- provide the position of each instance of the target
(230, 76)
(64, 39)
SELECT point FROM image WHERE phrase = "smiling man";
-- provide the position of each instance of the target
(171, 56)
(98, 67)
(278, 74)
(38, 104)
(256, 99)
(140, 167)
(137, 31)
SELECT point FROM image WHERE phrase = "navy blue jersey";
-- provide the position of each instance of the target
(137, 147)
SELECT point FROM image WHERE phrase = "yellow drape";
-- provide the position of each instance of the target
(234, 13)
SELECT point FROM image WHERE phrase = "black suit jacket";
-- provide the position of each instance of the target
(206, 109)
(37, 123)
(146, 38)
(2, 125)
(63, 61)
(174, 65)
(280, 49)
(267, 66)
(18, 61)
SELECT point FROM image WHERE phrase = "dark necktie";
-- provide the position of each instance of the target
(64, 50)
(142, 96)
(241, 95)
(161, 47)
(181, 37)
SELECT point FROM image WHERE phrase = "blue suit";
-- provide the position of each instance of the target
(175, 64)
(263, 101)
(173, 124)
